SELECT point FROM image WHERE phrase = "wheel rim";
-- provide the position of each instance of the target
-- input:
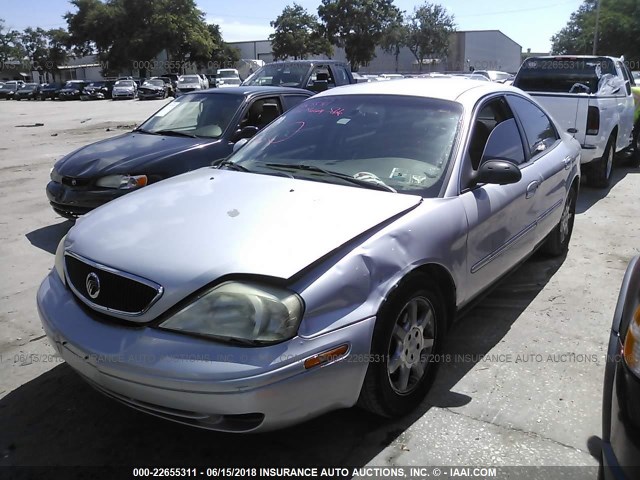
(609, 162)
(565, 221)
(411, 344)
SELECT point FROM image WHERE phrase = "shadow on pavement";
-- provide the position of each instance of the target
(590, 196)
(57, 419)
(47, 238)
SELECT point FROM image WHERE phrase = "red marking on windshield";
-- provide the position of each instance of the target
(337, 111)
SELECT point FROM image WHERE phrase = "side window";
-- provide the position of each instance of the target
(538, 128)
(342, 77)
(322, 73)
(290, 101)
(261, 112)
(488, 118)
(628, 79)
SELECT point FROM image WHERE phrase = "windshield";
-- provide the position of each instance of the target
(227, 73)
(72, 85)
(400, 142)
(562, 74)
(156, 83)
(124, 83)
(29, 86)
(97, 84)
(189, 79)
(279, 75)
(199, 115)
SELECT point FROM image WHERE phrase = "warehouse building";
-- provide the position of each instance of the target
(473, 49)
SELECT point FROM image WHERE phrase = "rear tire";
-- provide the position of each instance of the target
(634, 161)
(557, 242)
(409, 331)
(599, 171)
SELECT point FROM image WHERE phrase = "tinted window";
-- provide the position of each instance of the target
(540, 132)
(342, 77)
(562, 74)
(403, 142)
(490, 116)
(291, 101)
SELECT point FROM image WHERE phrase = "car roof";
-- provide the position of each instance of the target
(308, 62)
(254, 90)
(446, 88)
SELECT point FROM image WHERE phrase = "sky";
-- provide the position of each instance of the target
(529, 24)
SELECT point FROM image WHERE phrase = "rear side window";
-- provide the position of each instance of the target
(563, 75)
(291, 101)
(538, 128)
(342, 77)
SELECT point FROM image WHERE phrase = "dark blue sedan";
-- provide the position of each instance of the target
(188, 133)
(621, 405)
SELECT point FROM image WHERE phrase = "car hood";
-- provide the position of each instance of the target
(126, 154)
(70, 90)
(190, 230)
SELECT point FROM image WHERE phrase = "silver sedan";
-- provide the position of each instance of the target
(321, 265)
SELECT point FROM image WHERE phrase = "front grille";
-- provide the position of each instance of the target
(75, 182)
(117, 292)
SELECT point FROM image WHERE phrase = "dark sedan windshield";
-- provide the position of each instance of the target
(201, 115)
(279, 75)
(396, 142)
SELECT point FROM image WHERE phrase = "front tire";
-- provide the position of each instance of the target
(408, 334)
(557, 242)
(599, 172)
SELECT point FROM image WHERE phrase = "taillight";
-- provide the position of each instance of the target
(593, 121)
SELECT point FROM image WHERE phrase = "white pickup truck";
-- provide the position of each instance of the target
(591, 98)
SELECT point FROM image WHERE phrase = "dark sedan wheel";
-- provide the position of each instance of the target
(408, 333)
(557, 242)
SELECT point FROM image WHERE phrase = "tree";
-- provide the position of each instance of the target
(223, 55)
(429, 30)
(357, 25)
(298, 35)
(395, 37)
(618, 30)
(129, 32)
(10, 46)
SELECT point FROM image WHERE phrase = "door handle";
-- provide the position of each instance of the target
(532, 188)
(567, 163)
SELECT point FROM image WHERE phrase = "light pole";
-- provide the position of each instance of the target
(595, 35)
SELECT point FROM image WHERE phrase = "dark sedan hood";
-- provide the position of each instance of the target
(70, 89)
(131, 153)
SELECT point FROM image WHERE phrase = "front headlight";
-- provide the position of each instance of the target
(59, 263)
(55, 176)
(243, 311)
(122, 182)
(632, 344)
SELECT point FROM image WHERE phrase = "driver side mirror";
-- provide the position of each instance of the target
(501, 172)
(245, 132)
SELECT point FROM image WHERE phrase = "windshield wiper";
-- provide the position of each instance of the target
(330, 173)
(176, 133)
(232, 166)
(142, 130)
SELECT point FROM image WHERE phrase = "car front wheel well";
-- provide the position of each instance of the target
(444, 280)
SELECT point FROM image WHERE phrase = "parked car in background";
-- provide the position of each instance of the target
(8, 90)
(72, 90)
(314, 75)
(186, 134)
(98, 90)
(169, 83)
(391, 76)
(124, 89)
(355, 226)
(494, 75)
(50, 90)
(227, 77)
(29, 91)
(204, 81)
(188, 83)
(621, 398)
(636, 75)
(174, 79)
(592, 98)
(357, 78)
(154, 88)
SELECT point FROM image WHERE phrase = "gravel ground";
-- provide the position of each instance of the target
(522, 387)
